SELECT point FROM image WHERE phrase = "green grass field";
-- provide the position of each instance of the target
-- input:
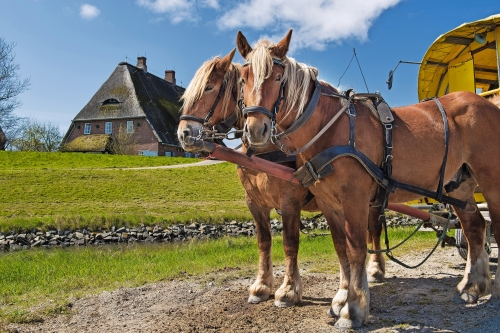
(66, 190)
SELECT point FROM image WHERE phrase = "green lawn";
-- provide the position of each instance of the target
(63, 190)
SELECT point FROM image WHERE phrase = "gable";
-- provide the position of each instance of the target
(130, 92)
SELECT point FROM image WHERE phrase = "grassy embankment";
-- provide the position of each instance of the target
(55, 190)
(44, 190)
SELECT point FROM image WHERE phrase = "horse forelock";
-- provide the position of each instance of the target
(198, 84)
(262, 63)
(298, 76)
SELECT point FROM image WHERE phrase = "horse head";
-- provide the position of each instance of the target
(263, 80)
(208, 98)
(274, 86)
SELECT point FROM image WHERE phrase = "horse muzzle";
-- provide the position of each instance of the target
(257, 129)
(185, 132)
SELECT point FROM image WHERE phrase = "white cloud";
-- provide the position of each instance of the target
(315, 22)
(179, 10)
(210, 3)
(89, 12)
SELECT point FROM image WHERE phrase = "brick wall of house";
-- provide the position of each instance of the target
(144, 138)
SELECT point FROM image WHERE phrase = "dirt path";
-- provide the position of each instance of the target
(417, 300)
(175, 166)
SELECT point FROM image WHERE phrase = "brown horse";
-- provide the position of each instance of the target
(263, 192)
(269, 77)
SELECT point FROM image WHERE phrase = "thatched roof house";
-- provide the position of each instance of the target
(133, 106)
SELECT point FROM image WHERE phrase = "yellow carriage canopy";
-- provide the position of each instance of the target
(465, 58)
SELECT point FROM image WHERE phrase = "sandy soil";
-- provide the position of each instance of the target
(418, 300)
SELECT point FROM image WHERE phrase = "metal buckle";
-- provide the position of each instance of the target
(311, 170)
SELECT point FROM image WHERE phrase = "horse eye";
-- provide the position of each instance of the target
(208, 88)
(278, 77)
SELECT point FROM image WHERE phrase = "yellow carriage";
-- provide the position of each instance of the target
(465, 58)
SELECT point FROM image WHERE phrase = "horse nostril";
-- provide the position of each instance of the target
(186, 133)
(245, 128)
(264, 131)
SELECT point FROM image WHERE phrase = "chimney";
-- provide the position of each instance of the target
(141, 63)
(170, 76)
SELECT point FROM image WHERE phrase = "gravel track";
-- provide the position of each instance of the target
(419, 300)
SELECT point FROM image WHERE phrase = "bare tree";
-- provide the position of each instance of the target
(11, 85)
(37, 136)
(123, 142)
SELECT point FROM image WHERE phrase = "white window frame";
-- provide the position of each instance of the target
(130, 126)
(108, 127)
(86, 128)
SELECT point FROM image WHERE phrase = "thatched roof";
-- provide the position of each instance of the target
(130, 92)
(94, 143)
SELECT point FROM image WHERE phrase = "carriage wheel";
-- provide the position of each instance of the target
(463, 247)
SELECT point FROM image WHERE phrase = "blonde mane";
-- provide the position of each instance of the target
(495, 99)
(297, 75)
(196, 87)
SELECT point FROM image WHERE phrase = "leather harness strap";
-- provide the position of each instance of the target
(306, 114)
(443, 166)
(320, 165)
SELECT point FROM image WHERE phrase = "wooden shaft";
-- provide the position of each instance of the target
(286, 173)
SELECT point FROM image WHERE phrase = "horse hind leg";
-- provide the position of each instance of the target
(261, 289)
(375, 269)
(476, 278)
(492, 195)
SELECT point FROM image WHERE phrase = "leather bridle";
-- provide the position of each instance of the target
(260, 109)
(206, 121)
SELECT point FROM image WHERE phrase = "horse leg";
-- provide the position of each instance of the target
(376, 263)
(492, 196)
(290, 292)
(355, 312)
(263, 285)
(495, 228)
(476, 278)
(336, 224)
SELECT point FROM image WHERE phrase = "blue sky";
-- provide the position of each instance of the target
(68, 48)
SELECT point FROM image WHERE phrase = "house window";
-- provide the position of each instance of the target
(110, 101)
(108, 128)
(86, 130)
(130, 126)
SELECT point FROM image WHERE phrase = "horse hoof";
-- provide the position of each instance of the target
(283, 304)
(344, 324)
(377, 278)
(332, 313)
(253, 299)
(465, 298)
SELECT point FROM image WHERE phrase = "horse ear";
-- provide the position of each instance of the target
(242, 44)
(223, 64)
(281, 49)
